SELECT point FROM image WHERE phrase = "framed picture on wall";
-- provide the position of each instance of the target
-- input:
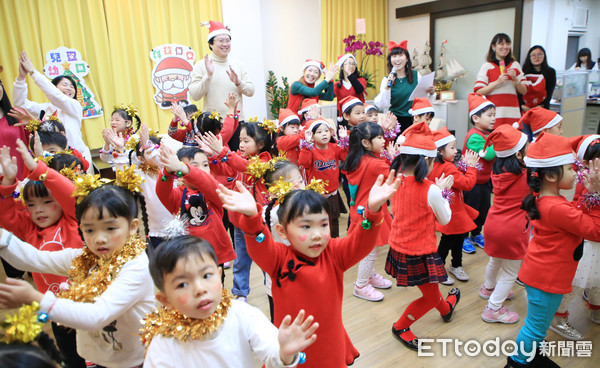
(447, 95)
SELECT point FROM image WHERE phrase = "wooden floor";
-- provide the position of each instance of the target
(369, 324)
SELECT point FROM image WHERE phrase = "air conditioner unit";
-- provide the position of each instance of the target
(580, 19)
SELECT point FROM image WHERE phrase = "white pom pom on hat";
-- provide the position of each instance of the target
(401, 139)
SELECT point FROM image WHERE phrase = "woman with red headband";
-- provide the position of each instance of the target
(397, 87)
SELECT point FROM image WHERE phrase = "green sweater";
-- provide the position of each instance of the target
(476, 143)
(400, 92)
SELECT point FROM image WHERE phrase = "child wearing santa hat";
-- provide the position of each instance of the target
(290, 134)
(306, 86)
(542, 120)
(320, 157)
(412, 258)
(559, 227)
(483, 116)
(351, 83)
(587, 148)
(371, 113)
(309, 110)
(506, 225)
(353, 111)
(454, 232)
(422, 110)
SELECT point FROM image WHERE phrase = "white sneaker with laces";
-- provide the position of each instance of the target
(459, 273)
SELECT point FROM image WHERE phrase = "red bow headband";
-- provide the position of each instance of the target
(392, 45)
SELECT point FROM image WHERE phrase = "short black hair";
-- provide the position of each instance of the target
(481, 112)
(50, 138)
(57, 80)
(190, 109)
(165, 257)
(428, 115)
(301, 202)
(188, 152)
(62, 160)
(35, 189)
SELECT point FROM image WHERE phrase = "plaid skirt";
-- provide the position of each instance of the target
(415, 270)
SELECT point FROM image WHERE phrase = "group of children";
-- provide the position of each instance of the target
(84, 237)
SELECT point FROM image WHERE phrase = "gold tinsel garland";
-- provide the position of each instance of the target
(132, 142)
(90, 275)
(127, 178)
(280, 189)
(171, 323)
(269, 125)
(149, 169)
(21, 327)
(130, 109)
(258, 169)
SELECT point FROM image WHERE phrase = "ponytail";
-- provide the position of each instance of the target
(417, 163)
(535, 177)
(365, 130)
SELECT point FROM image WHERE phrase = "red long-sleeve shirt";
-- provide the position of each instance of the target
(323, 164)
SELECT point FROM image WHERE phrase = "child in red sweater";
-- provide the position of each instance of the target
(49, 224)
(453, 233)
(507, 231)
(362, 167)
(320, 156)
(290, 134)
(412, 259)
(313, 258)
(559, 228)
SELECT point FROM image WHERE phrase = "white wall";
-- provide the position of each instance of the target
(414, 29)
(273, 35)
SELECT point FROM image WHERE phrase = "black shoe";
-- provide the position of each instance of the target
(412, 345)
(448, 316)
(542, 361)
(512, 364)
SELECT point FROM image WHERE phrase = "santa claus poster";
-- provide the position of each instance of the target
(171, 75)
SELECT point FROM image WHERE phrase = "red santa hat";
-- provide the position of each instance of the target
(312, 124)
(580, 144)
(419, 141)
(316, 63)
(477, 103)
(506, 140)
(442, 137)
(287, 116)
(215, 29)
(539, 119)
(306, 104)
(370, 107)
(342, 59)
(173, 65)
(549, 150)
(349, 102)
(536, 90)
(421, 106)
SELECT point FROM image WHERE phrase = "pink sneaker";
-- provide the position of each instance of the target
(484, 293)
(367, 292)
(502, 315)
(379, 282)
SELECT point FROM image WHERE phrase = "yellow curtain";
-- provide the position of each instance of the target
(338, 20)
(114, 37)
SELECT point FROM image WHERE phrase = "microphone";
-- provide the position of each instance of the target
(501, 66)
(390, 82)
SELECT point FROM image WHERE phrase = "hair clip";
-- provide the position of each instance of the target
(269, 125)
(535, 173)
(131, 110)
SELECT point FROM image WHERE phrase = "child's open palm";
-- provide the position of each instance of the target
(296, 336)
(27, 158)
(471, 158)
(444, 182)
(241, 201)
(383, 190)
(9, 165)
(232, 102)
(591, 179)
(215, 143)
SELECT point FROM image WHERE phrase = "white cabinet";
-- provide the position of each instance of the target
(456, 115)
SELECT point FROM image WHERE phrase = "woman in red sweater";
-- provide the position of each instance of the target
(412, 259)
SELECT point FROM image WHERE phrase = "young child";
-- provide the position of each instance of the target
(362, 167)
(109, 289)
(412, 259)
(353, 112)
(371, 113)
(201, 326)
(48, 223)
(54, 125)
(183, 116)
(482, 114)
(320, 157)
(197, 199)
(122, 128)
(559, 228)
(309, 110)
(313, 258)
(506, 225)
(422, 111)
(542, 120)
(305, 86)
(290, 134)
(257, 144)
(587, 148)
(454, 232)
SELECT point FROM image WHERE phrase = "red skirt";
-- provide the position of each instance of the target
(415, 270)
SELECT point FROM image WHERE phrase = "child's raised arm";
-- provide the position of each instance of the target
(295, 336)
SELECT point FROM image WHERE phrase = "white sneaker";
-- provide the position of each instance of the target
(459, 273)
(449, 281)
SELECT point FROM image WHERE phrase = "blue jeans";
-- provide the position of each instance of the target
(541, 307)
(241, 265)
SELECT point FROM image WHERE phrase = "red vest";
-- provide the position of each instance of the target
(485, 174)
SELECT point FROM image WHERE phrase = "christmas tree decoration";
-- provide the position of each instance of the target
(277, 97)
(171, 76)
(68, 62)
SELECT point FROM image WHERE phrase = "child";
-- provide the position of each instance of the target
(371, 113)
(506, 225)
(284, 178)
(362, 167)
(353, 112)
(587, 148)
(257, 144)
(305, 86)
(110, 288)
(559, 228)
(454, 232)
(482, 113)
(422, 111)
(309, 273)
(121, 130)
(201, 326)
(412, 259)
(542, 120)
(50, 142)
(290, 134)
(320, 157)
(183, 116)
(309, 110)
(54, 125)
(197, 199)
(48, 223)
